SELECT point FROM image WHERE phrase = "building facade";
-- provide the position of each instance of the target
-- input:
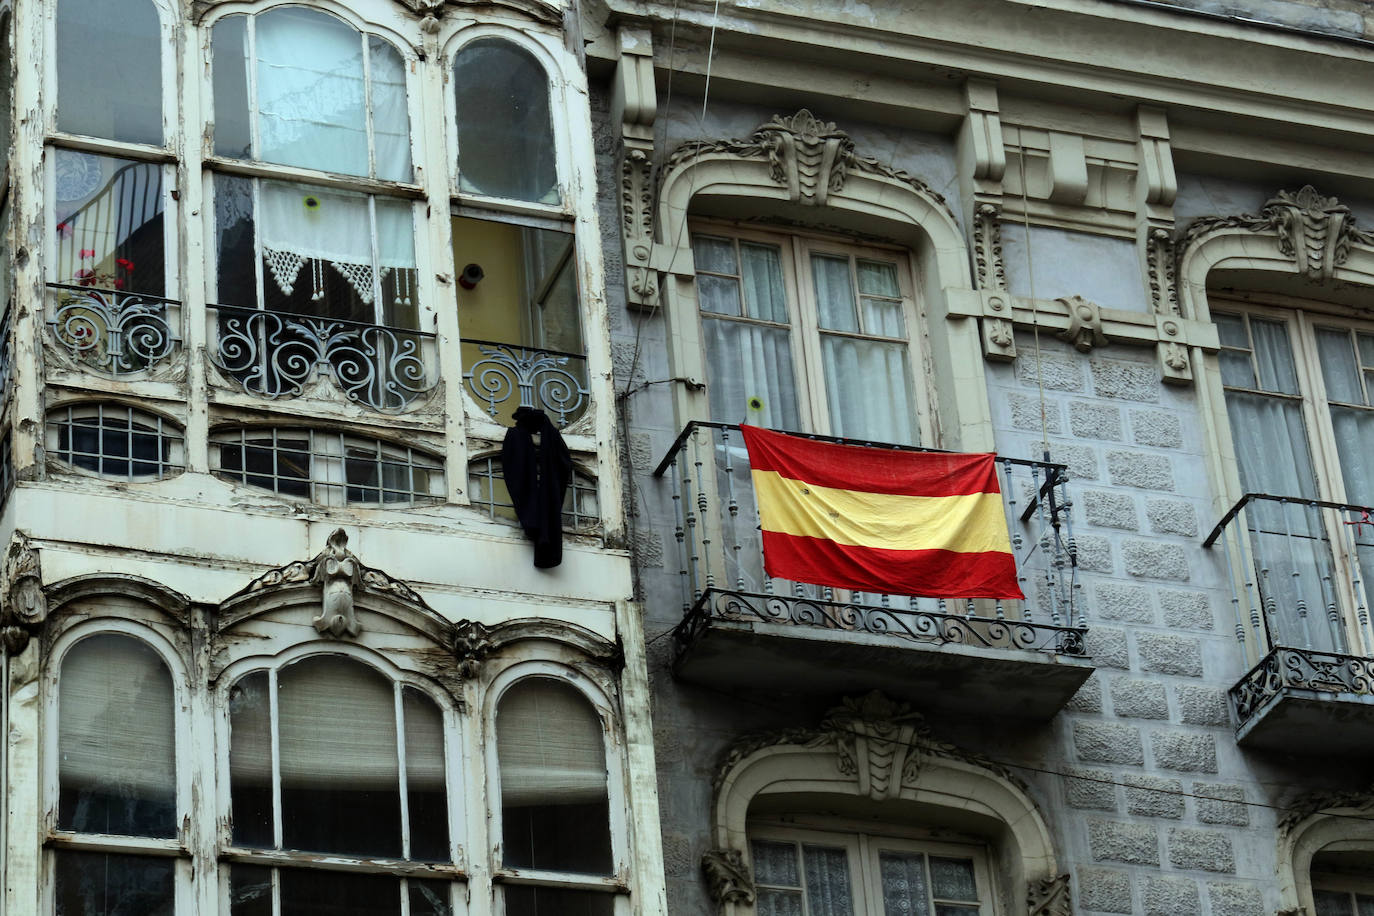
(277, 642)
(1124, 246)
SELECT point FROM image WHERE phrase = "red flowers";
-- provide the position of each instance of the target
(87, 252)
(125, 263)
(64, 229)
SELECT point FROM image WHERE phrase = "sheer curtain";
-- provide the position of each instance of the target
(1292, 556)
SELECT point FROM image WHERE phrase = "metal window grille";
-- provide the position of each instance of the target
(115, 441)
(328, 468)
(487, 490)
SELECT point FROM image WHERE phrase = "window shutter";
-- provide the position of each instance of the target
(551, 745)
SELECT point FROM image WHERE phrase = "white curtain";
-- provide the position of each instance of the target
(751, 375)
(868, 384)
(551, 746)
(115, 709)
(827, 881)
(903, 877)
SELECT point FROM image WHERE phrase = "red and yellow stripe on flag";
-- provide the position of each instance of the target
(881, 520)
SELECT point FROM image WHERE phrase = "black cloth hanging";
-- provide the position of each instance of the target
(537, 476)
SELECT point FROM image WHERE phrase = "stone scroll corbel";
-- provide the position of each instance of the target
(728, 877)
(1049, 897)
(23, 605)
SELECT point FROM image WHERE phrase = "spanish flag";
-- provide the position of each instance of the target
(881, 520)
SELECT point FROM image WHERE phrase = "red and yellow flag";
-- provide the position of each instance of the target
(881, 520)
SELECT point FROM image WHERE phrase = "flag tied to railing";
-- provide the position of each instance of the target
(881, 520)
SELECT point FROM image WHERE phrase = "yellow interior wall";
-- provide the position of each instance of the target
(493, 310)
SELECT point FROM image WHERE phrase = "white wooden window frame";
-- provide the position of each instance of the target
(454, 786)
(863, 850)
(618, 882)
(1302, 318)
(795, 251)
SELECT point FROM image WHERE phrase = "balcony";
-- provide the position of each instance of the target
(273, 354)
(504, 377)
(110, 331)
(743, 629)
(1297, 570)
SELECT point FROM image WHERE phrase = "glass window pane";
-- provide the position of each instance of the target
(834, 293)
(751, 375)
(338, 893)
(1366, 345)
(1231, 330)
(116, 745)
(1340, 370)
(229, 45)
(430, 898)
(1237, 371)
(764, 289)
(552, 901)
(715, 255)
(1274, 356)
(946, 909)
(427, 795)
(505, 134)
(340, 789)
(250, 760)
(779, 903)
(718, 295)
(883, 317)
(1364, 905)
(1333, 903)
(1354, 429)
(878, 278)
(95, 884)
(109, 69)
(250, 890)
(869, 388)
(775, 863)
(390, 118)
(311, 107)
(554, 808)
(109, 223)
(952, 879)
(827, 881)
(904, 888)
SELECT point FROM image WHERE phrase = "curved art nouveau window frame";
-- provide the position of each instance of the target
(596, 694)
(177, 437)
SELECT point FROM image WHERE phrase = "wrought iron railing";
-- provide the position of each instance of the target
(1297, 569)
(110, 330)
(722, 577)
(6, 354)
(274, 354)
(506, 376)
(1301, 669)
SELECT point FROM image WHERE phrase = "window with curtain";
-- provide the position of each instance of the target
(807, 335)
(1299, 390)
(810, 873)
(555, 810)
(302, 88)
(116, 771)
(505, 132)
(329, 756)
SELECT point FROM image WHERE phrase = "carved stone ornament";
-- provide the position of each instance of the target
(338, 573)
(23, 606)
(637, 221)
(1315, 231)
(1316, 802)
(1049, 897)
(728, 877)
(1085, 324)
(987, 247)
(810, 157)
(430, 11)
(877, 740)
(472, 643)
(1160, 263)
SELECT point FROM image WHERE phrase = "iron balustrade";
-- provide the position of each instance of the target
(6, 354)
(1301, 669)
(274, 354)
(1297, 569)
(110, 330)
(506, 376)
(722, 577)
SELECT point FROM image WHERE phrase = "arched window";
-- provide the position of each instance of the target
(117, 777)
(329, 756)
(109, 70)
(555, 810)
(505, 134)
(115, 441)
(487, 491)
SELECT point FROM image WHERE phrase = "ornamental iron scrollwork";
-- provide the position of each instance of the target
(1303, 669)
(930, 627)
(112, 331)
(274, 354)
(534, 378)
(6, 356)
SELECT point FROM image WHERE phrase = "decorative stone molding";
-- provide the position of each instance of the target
(634, 104)
(1315, 232)
(339, 573)
(1085, 324)
(429, 12)
(1316, 802)
(1160, 264)
(987, 247)
(23, 605)
(1049, 897)
(472, 643)
(809, 157)
(728, 877)
(999, 334)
